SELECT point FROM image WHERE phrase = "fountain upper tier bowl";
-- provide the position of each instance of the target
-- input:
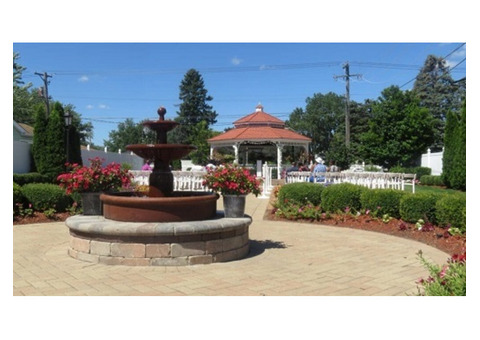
(164, 152)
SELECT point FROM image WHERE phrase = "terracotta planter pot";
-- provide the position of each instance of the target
(234, 205)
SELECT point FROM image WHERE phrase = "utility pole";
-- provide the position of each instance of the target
(44, 76)
(347, 76)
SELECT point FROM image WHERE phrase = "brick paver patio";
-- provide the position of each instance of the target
(286, 259)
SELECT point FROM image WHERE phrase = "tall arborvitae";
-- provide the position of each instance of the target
(39, 147)
(56, 154)
(454, 156)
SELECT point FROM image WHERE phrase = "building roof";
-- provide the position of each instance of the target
(259, 126)
(259, 133)
(259, 117)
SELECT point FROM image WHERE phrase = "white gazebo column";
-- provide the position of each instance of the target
(235, 148)
(211, 152)
(279, 160)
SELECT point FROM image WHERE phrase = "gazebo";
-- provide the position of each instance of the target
(259, 130)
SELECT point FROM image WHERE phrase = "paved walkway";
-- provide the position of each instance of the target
(285, 259)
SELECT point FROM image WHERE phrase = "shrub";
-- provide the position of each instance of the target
(431, 180)
(340, 196)
(301, 193)
(45, 196)
(32, 177)
(388, 200)
(418, 206)
(450, 211)
(18, 198)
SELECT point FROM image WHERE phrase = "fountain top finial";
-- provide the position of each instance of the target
(161, 112)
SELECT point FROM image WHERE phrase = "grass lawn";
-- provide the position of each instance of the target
(427, 188)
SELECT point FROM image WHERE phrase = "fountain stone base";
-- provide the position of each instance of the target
(99, 240)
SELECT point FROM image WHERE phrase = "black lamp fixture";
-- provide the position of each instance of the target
(68, 122)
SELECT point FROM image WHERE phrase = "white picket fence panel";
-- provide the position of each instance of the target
(182, 180)
(373, 180)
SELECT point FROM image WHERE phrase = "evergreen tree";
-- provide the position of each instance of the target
(56, 150)
(193, 109)
(39, 147)
(438, 93)
(454, 156)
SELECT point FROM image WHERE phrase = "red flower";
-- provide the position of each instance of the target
(94, 178)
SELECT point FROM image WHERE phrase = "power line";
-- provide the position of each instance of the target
(455, 50)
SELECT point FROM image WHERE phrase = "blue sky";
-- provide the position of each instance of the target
(109, 82)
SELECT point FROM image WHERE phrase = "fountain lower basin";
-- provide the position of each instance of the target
(97, 239)
(182, 206)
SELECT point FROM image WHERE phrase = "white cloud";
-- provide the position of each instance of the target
(236, 61)
(83, 79)
(457, 56)
(89, 107)
(103, 106)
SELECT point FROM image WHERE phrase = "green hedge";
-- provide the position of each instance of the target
(432, 180)
(337, 197)
(17, 195)
(44, 196)
(32, 177)
(419, 170)
(300, 193)
(450, 210)
(418, 206)
(387, 199)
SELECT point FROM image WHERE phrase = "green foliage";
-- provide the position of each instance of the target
(322, 116)
(454, 157)
(437, 93)
(448, 280)
(18, 198)
(39, 147)
(431, 180)
(45, 196)
(128, 132)
(450, 211)
(418, 206)
(55, 147)
(338, 197)
(399, 131)
(417, 170)
(193, 109)
(382, 201)
(32, 177)
(300, 193)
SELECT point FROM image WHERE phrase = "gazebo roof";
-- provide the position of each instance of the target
(259, 126)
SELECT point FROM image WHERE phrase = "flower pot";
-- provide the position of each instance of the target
(234, 205)
(91, 203)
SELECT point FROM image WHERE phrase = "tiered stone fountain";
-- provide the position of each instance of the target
(163, 227)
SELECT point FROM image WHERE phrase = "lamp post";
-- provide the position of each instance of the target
(68, 122)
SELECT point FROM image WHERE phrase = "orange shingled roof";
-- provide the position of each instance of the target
(259, 117)
(259, 126)
(259, 133)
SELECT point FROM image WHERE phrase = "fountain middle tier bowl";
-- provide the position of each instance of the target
(164, 152)
(183, 206)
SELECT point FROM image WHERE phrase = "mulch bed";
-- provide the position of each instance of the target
(438, 237)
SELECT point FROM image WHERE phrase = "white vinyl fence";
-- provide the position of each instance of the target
(372, 180)
(182, 180)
